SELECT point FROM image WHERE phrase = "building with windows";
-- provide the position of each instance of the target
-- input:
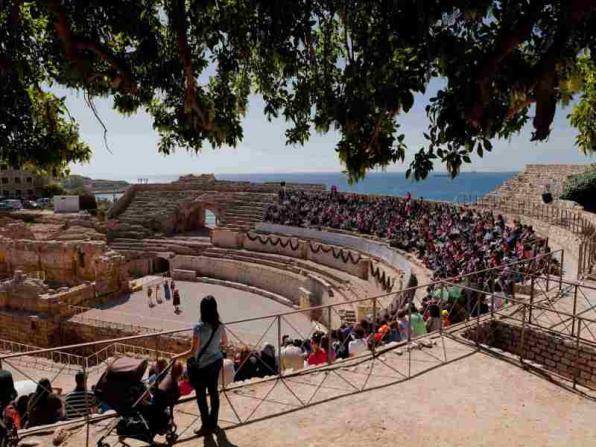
(17, 183)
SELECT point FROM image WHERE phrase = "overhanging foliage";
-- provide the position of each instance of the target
(350, 65)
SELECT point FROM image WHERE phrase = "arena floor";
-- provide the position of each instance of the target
(233, 305)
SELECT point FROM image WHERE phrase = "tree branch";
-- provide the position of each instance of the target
(72, 46)
(190, 97)
(543, 74)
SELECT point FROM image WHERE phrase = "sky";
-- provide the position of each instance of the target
(133, 145)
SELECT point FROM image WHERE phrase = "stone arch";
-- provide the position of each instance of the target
(161, 264)
(191, 215)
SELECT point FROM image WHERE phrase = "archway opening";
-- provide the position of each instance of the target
(161, 265)
(211, 220)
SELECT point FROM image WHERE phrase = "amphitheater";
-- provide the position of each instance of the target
(74, 297)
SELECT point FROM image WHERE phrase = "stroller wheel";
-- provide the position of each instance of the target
(171, 438)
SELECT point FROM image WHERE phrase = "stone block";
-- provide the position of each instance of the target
(184, 275)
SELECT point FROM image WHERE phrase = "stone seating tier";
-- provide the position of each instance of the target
(278, 261)
(528, 185)
(348, 286)
(154, 211)
(190, 246)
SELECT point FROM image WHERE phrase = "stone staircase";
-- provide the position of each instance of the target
(246, 209)
(153, 213)
(528, 185)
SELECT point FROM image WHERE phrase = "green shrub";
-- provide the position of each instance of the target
(87, 201)
(581, 188)
(53, 189)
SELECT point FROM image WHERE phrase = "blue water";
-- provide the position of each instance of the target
(436, 187)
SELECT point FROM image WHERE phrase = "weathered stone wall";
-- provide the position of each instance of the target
(70, 262)
(555, 353)
(72, 332)
(284, 283)
(22, 327)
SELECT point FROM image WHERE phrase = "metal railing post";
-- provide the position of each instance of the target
(492, 299)
(279, 366)
(548, 272)
(87, 409)
(561, 270)
(329, 345)
(574, 312)
(409, 347)
(523, 334)
(478, 321)
(576, 369)
(373, 327)
(531, 299)
(580, 260)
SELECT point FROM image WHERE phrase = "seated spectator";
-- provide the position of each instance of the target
(403, 324)
(359, 344)
(318, 355)
(7, 390)
(268, 364)
(382, 333)
(80, 402)
(498, 296)
(329, 350)
(246, 365)
(416, 321)
(445, 315)
(292, 356)
(154, 372)
(184, 384)
(394, 335)
(21, 406)
(340, 343)
(434, 322)
(44, 407)
(8, 408)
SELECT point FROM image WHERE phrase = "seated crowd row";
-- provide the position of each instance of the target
(450, 239)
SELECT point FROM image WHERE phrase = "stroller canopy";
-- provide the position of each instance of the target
(121, 383)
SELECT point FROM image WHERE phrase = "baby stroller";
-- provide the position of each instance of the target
(8, 429)
(144, 413)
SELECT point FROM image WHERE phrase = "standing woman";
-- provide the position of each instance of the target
(157, 297)
(206, 362)
(176, 300)
(149, 293)
(166, 290)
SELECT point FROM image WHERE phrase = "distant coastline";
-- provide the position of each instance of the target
(438, 186)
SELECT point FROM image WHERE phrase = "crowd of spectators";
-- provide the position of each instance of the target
(450, 239)
(47, 404)
(453, 242)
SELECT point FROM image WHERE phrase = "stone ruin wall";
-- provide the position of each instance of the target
(552, 352)
(43, 280)
(68, 262)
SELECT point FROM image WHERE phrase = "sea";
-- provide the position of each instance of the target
(438, 186)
